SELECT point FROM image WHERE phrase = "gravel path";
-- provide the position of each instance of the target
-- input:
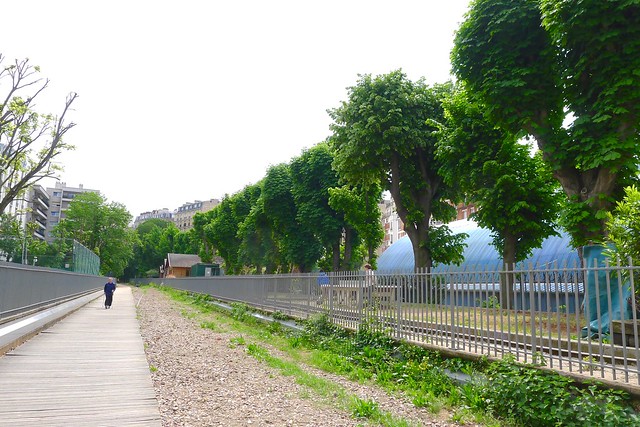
(202, 380)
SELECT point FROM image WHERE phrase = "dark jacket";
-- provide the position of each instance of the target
(109, 288)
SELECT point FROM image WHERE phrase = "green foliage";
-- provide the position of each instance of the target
(150, 224)
(446, 247)
(210, 325)
(30, 141)
(299, 245)
(223, 224)
(516, 195)
(258, 247)
(491, 302)
(103, 228)
(278, 315)
(566, 74)
(311, 178)
(237, 341)
(155, 239)
(384, 136)
(320, 332)
(362, 214)
(361, 408)
(528, 396)
(240, 311)
(11, 238)
(623, 226)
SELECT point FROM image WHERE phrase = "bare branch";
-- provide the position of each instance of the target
(21, 128)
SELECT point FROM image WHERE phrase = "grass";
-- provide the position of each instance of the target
(255, 336)
(368, 355)
(328, 390)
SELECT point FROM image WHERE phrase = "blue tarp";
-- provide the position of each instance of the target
(603, 291)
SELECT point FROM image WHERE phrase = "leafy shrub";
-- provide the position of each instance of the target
(531, 397)
(239, 311)
(278, 315)
(364, 408)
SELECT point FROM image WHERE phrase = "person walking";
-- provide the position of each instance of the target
(109, 289)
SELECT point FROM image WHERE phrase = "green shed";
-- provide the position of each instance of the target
(205, 270)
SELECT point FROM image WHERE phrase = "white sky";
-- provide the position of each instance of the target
(190, 100)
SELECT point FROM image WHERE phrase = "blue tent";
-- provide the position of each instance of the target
(479, 253)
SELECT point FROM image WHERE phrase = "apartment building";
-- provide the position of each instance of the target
(183, 216)
(163, 213)
(391, 223)
(394, 227)
(38, 208)
(59, 198)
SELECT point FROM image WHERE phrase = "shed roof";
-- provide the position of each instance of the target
(183, 260)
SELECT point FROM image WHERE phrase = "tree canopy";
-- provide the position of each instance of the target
(29, 141)
(515, 195)
(565, 73)
(382, 136)
(299, 245)
(102, 227)
(514, 191)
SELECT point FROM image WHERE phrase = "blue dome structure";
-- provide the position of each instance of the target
(479, 253)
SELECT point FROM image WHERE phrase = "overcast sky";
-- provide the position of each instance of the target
(191, 100)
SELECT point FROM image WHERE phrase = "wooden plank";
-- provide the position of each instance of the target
(89, 369)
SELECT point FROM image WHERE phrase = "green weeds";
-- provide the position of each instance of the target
(329, 390)
(531, 397)
(501, 393)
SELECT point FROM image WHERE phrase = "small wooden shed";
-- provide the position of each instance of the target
(178, 265)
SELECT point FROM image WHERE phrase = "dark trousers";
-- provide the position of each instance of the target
(109, 299)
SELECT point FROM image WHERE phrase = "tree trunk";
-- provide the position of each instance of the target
(589, 186)
(335, 256)
(593, 186)
(418, 232)
(421, 252)
(506, 279)
(348, 248)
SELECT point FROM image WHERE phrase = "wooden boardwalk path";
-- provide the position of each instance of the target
(89, 369)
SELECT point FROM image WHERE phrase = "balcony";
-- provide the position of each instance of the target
(43, 202)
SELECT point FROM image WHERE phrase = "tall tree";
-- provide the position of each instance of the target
(381, 136)
(102, 227)
(11, 238)
(567, 74)
(29, 141)
(362, 215)
(312, 176)
(298, 244)
(222, 232)
(258, 247)
(200, 220)
(224, 225)
(517, 198)
(147, 255)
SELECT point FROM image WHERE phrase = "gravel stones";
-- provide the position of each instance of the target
(202, 380)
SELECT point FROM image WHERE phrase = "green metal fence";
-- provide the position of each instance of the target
(84, 260)
(61, 254)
